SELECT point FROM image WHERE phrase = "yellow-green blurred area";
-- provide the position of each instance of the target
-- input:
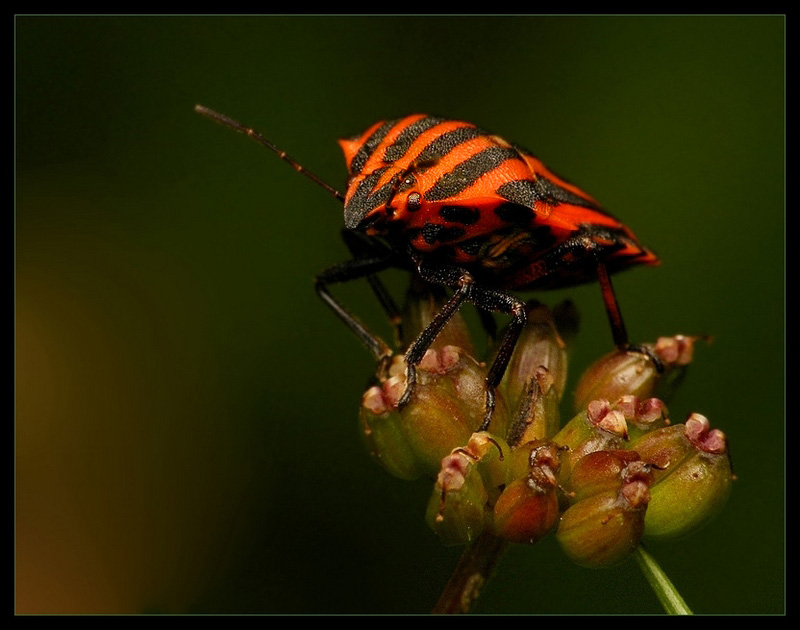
(185, 430)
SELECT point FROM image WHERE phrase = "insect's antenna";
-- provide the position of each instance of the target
(252, 133)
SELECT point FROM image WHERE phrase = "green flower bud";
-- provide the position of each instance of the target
(539, 346)
(457, 508)
(530, 456)
(447, 406)
(490, 457)
(642, 416)
(692, 476)
(537, 414)
(602, 471)
(627, 372)
(383, 433)
(603, 529)
(528, 508)
(600, 427)
(536, 376)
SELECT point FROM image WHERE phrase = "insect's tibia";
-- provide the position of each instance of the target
(224, 120)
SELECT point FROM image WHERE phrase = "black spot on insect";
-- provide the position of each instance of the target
(434, 232)
(460, 214)
(472, 246)
(431, 232)
(414, 202)
(514, 213)
(445, 143)
(451, 234)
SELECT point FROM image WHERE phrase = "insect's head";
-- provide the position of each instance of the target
(384, 187)
(374, 200)
(378, 192)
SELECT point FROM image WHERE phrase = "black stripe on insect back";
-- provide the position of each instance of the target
(551, 190)
(526, 192)
(408, 136)
(443, 144)
(369, 146)
(364, 199)
(467, 172)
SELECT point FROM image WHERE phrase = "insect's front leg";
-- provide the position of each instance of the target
(345, 272)
(360, 246)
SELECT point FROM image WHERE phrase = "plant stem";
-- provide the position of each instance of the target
(474, 568)
(666, 592)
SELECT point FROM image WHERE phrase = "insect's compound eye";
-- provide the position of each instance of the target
(413, 202)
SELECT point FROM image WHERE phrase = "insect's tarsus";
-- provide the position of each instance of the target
(224, 120)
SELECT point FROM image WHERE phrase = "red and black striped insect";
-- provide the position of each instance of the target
(463, 208)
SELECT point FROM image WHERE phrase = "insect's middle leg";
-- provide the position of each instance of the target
(493, 300)
(423, 342)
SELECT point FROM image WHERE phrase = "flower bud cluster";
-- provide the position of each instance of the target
(617, 472)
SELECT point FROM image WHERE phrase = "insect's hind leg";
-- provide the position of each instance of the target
(585, 249)
(618, 331)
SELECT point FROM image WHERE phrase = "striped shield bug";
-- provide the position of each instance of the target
(463, 208)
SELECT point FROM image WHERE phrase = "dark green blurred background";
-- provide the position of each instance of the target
(186, 435)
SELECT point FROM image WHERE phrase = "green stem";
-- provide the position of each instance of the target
(665, 590)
